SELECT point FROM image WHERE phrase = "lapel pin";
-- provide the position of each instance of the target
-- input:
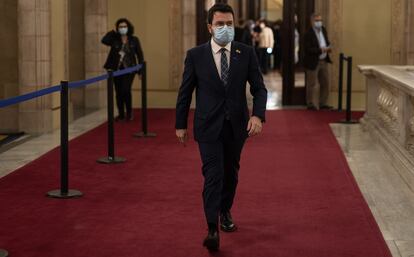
(238, 51)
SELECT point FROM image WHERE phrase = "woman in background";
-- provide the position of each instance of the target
(125, 52)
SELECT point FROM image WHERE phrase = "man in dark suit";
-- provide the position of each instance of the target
(317, 49)
(219, 71)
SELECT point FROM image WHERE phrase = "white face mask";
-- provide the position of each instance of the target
(223, 35)
(123, 31)
(318, 24)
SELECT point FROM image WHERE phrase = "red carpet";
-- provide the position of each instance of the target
(297, 197)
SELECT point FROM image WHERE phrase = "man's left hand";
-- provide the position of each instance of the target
(254, 127)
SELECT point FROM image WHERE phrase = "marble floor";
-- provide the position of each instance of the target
(391, 200)
(389, 197)
(36, 146)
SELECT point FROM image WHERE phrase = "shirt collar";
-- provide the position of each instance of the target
(216, 47)
(317, 31)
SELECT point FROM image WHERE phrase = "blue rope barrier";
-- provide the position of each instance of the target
(126, 71)
(82, 83)
(29, 96)
(75, 84)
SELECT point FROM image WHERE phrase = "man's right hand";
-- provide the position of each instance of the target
(182, 135)
(326, 50)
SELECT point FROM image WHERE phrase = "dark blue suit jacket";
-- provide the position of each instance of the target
(200, 73)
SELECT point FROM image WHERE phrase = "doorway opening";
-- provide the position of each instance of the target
(289, 21)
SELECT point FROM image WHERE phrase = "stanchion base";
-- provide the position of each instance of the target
(110, 160)
(349, 122)
(58, 194)
(142, 134)
(3, 253)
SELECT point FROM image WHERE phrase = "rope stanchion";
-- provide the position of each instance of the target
(3, 253)
(144, 114)
(111, 158)
(341, 81)
(348, 119)
(64, 192)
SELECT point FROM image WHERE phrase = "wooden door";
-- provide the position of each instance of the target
(293, 94)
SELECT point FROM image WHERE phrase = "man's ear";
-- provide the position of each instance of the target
(210, 28)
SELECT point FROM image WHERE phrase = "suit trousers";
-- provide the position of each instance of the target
(123, 86)
(317, 95)
(220, 170)
(264, 60)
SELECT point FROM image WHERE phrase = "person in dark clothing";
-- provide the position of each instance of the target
(317, 49)
(125, 50)
(238, 31)
(218, 72)
(277, 52)
(246, 37)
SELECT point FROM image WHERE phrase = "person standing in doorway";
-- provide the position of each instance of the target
(266, 44)
(125, 52)
(219, 71)
(317, 48)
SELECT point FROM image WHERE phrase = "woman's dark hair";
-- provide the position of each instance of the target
(219, 7)
(129, 24)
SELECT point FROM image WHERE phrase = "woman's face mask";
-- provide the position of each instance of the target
(223, 34)
(123, 30)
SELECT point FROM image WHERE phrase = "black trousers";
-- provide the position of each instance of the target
(123, 86)
(220, 170)
(264, 60)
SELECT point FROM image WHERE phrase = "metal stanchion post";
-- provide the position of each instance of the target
(64, 192)
(3, 253)
(144, 116)
(349, 95)
(111, 158)
(341, 79)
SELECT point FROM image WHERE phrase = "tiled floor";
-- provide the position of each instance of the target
(391, 200)
(32, 149)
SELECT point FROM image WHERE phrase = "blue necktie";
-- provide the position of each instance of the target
(224, 67)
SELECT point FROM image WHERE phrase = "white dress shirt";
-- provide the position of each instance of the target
(322, 42)
(266, 38)
(217, 54)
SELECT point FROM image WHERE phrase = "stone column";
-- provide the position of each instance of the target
(34, 46)
(177, 25)
(96, 25)
(183, 31)
(398, 32)
(9, 66)
(410, 33)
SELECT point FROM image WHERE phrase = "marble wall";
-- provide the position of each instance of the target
(358, 32)
(34, 46)
(183, 29)
(9, 75)
(76, 52)
(96, 25)
(42, 50)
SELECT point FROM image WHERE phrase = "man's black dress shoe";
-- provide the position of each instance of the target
(212, 241)
(311, 107)
(226, 222)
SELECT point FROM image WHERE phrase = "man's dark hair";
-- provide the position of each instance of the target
(219, 7)
(129, 24)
